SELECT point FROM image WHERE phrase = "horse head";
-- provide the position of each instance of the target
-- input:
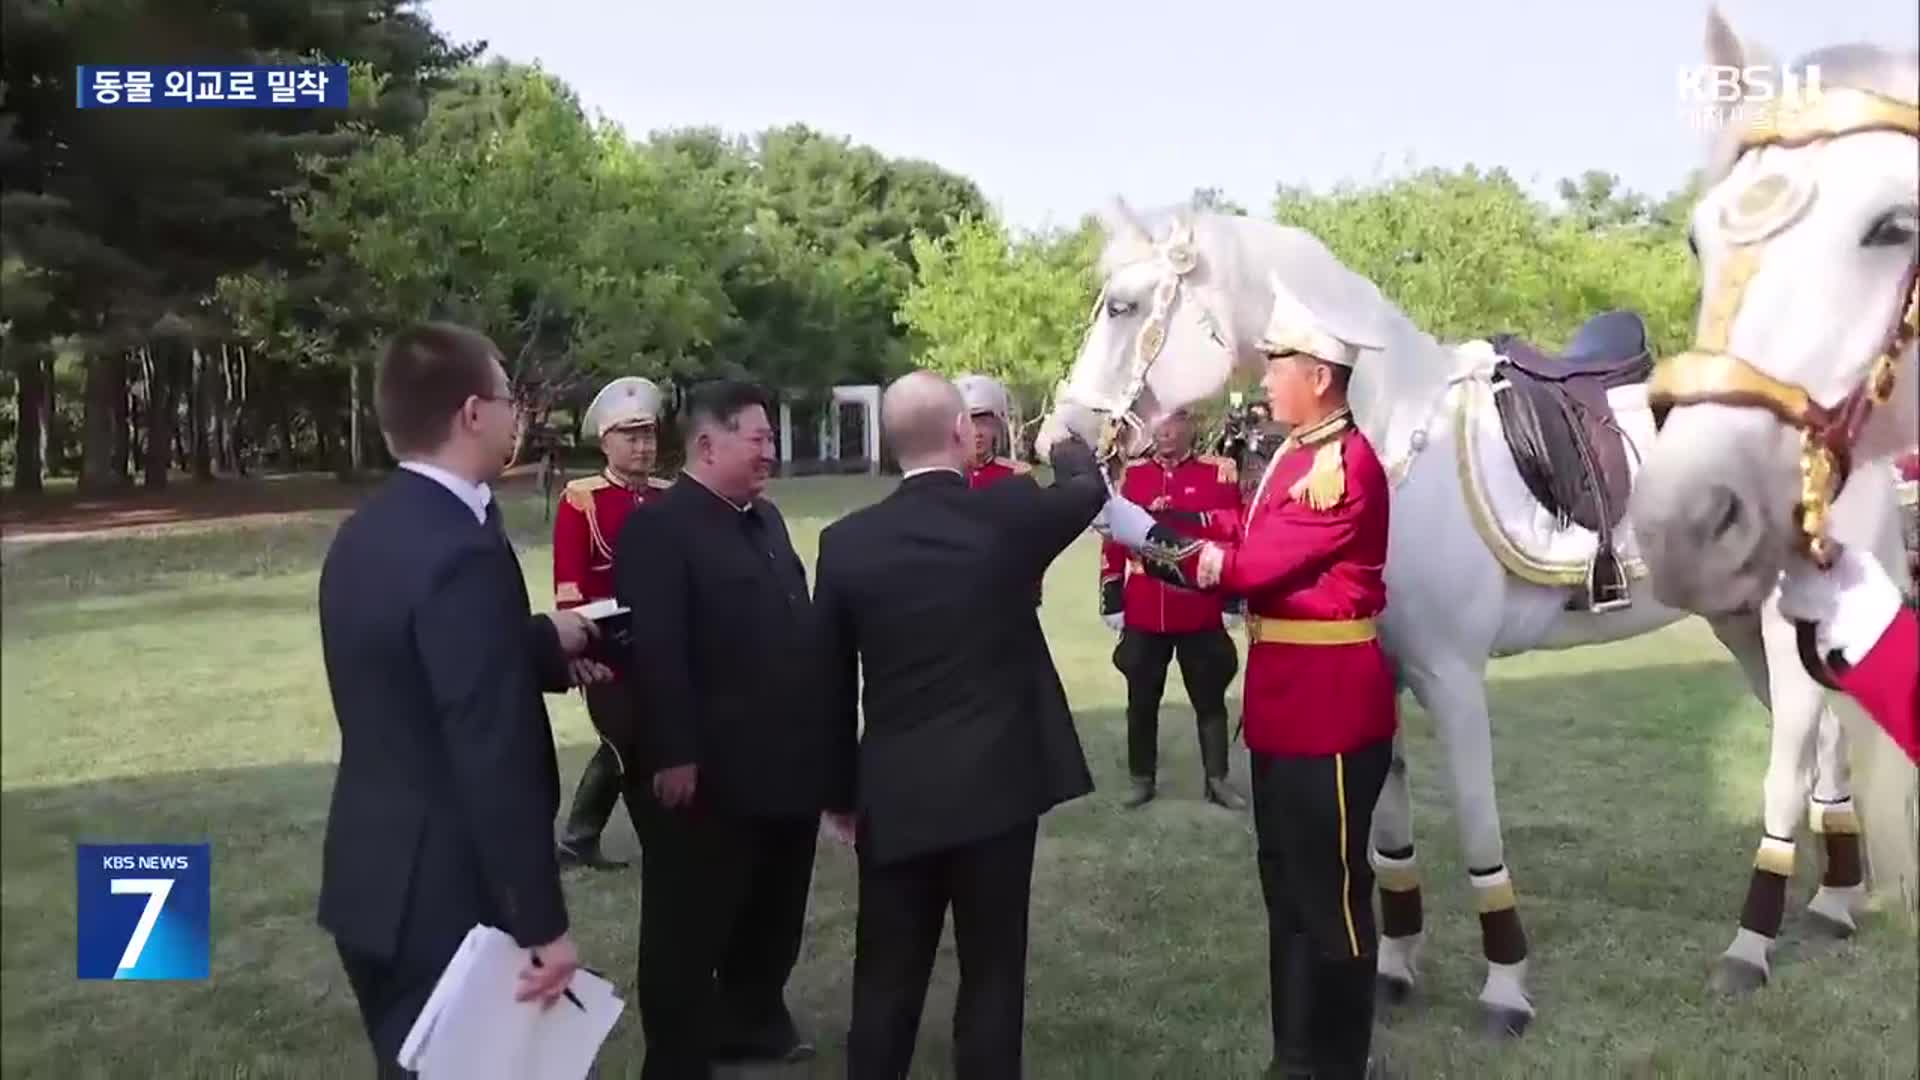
(1803, 360)
(1174, 317)
(1185, 300)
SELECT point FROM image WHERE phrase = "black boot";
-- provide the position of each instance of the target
(1141, 794)
(1342, 1027)
(592, 804)
(1213, 759)
(1289, 967)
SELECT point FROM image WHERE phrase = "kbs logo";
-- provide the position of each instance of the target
(144, 910)
(1711, 94)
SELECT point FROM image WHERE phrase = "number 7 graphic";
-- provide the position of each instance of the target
(156, 890)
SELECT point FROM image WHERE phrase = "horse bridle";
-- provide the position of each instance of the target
(1176, 258)
(1709, 373)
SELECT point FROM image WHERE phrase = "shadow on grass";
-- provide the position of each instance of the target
(1147, 936)
(49, 620)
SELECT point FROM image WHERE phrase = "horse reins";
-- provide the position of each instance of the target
(1709, 373)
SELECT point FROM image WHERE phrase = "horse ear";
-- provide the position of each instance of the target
(1726, 50)
(1723, 45)
(1121, 223)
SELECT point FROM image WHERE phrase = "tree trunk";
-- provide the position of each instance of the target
(57, 435)
(201, 409)
(30, 444)
(356, 463)
(222, 382)
(106, 402)
(281, 393)
(161, 403)
(238, 402)
(125, 417)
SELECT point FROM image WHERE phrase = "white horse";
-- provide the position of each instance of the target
(1808, 248)
(1194, 291)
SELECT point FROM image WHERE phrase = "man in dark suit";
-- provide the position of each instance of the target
(735, 759)
(443, 806)
(968, 740)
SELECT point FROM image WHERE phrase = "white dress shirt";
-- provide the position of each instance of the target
(476, 496)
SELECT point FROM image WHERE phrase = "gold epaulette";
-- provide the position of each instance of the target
(1325, 481)
(659, 483)
(1018, 467)
(580, 492)
(1229, 472)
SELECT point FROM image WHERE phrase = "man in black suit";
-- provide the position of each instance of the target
(443, 806)
(968, 739)
(735, 759)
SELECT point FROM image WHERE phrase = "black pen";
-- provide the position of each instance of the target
(568, 992)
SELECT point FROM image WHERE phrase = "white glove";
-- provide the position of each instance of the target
(1850, 605)
(1116, 622)
(1230, 620)
(1124, 522)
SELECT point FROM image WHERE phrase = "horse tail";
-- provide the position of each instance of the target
(1886, 791)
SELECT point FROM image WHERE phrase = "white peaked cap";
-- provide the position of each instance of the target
(624, 402)
(1334, 332)
(983, 394)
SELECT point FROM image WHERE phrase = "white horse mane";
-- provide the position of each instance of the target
(1893, 73)
(1394, 392)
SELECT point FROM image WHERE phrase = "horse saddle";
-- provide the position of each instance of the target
(1563, 435)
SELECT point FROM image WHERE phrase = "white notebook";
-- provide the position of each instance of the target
(472, 1028)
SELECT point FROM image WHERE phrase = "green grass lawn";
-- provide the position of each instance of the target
(169, 688)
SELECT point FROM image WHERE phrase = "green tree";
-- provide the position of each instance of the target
(1011, 308)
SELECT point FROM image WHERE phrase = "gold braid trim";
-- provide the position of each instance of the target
(1326, 482)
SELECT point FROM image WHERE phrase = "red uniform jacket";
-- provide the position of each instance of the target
(1308, 555)
(1177, 494)
(994, 471)
(1886, 681)
(585, 528)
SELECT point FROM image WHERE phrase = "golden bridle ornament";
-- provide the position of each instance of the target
(1177, 259)
(1709, 373)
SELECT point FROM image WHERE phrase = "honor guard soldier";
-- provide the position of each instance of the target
(1307, 553)
(1157, 621)
(625, 416)
(989, 407)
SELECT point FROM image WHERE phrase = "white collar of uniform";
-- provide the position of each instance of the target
(476, 496)
(911, 473)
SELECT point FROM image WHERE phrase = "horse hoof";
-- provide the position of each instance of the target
(1392, 991)
(1827, 927)
(1503, 1022)
(1736, 978)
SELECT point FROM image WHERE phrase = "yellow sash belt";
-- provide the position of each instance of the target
(1310, 631)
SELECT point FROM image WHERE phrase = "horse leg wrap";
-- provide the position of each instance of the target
(1502, 938)
(1398, 875)
(1839, 830)
(1766, 901)
(1402, 922)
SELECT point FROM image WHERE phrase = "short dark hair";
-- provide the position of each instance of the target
(429, 371)
(1340, 374)
(719, 403)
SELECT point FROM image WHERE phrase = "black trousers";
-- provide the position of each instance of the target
(1208, 663)
(609, 706)
(390, 995)
(1312, 817)
(903, 907)
(723, 903)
